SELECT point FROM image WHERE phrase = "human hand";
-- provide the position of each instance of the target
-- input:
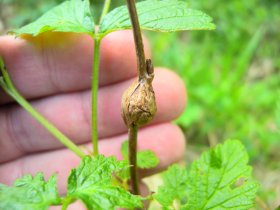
(53, 72)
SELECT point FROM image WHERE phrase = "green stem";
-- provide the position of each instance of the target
(94, 83)
(132, 151)
(105, 10)
(66, 202)
(5, 75)
(94, 92)
(64, 206)
(51, 128)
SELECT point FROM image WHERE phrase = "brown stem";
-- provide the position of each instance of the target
(141, 67)
(141, 62)
(132, 145)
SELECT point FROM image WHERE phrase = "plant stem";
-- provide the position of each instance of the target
(94, 83)
(50, 127)
(105, 10)
(64, 206)
(132, 145)
(141, 62)
(141, 67)
(66, 202)
(94, 98)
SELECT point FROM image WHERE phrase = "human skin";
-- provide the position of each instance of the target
(53, 71)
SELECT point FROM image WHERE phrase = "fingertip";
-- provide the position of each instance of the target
(172, 101)
(147, 47)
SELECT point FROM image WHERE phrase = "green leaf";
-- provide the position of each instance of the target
(145, 159)
(29, 193)
(220, 179)
(93, 183)
(70, 16)
(175, 184)
(155, 15)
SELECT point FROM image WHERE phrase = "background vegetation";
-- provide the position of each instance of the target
(232, 76)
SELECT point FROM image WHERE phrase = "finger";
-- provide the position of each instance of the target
(166, 140)
(21, 134)
(61, 62)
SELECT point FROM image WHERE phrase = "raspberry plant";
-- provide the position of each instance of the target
(220, 179)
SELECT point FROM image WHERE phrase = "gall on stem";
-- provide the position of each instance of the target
(138, 101)
(138, 108)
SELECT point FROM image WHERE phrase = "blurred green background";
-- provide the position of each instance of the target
(232, 76)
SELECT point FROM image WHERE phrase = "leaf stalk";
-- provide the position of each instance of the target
(7, 85)
(105, 10)
(94, 96)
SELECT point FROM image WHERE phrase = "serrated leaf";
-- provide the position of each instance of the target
(155, 15)
(145, 159)
(29, 193)
(220, 179)
(93, 183)
(70, 16)
(175, 184)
